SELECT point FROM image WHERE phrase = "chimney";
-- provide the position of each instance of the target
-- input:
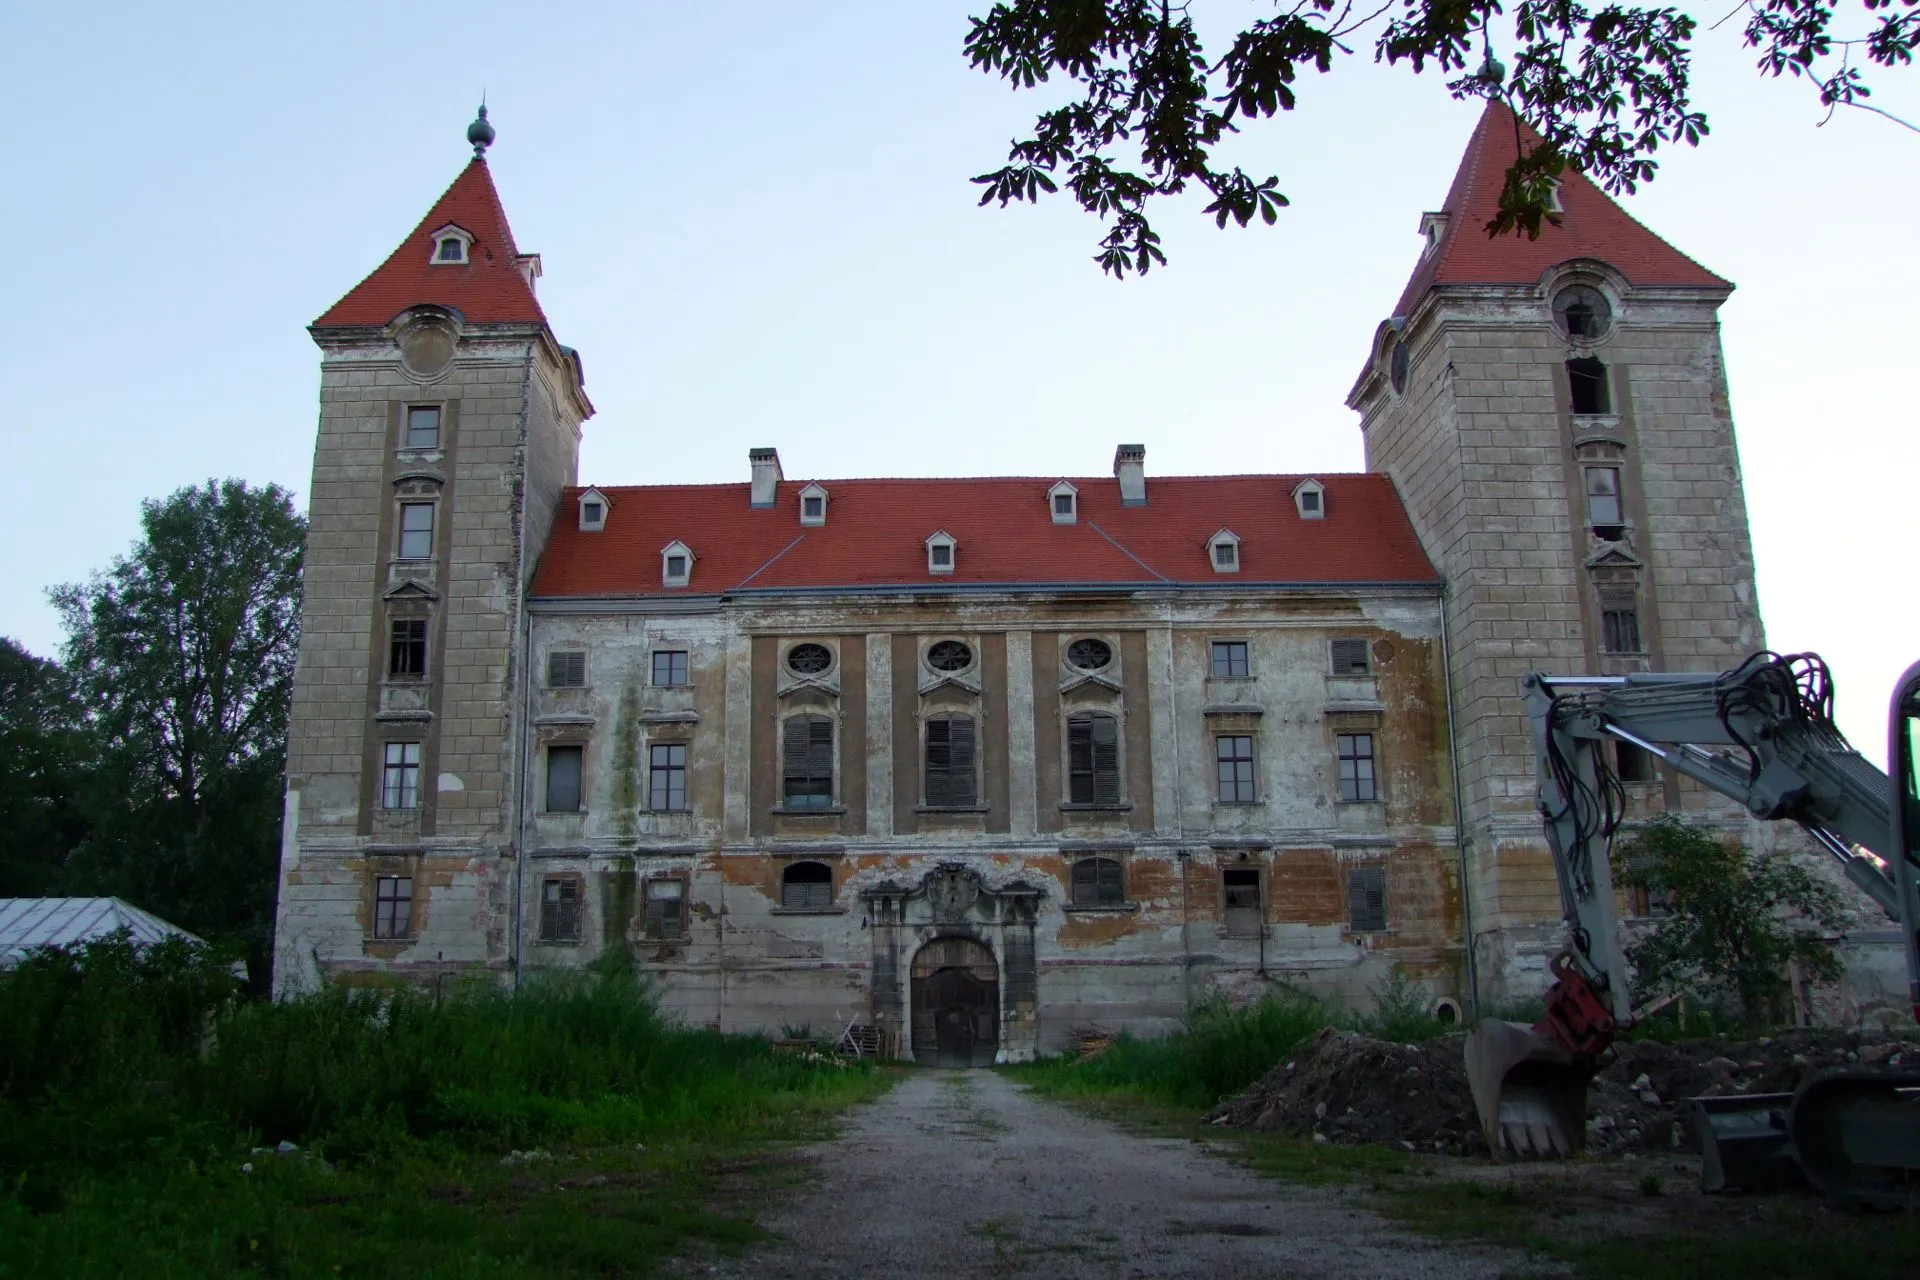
(1130, 469)
(766, 476)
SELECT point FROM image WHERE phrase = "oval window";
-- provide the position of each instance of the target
(809, 659)
(1398, 365)
(949, 655)
(1582, 312)
(1089, 654)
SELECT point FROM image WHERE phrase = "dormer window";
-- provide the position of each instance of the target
(676, 564)
(450, 245)
(940, 552)
(813, 505)
(593, 511)
(1223, 551)
(1310, 500)
(1063, 501)
(1432, 227)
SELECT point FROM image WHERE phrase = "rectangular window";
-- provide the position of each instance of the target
(1233, 753)
(1603, 501)
(392, 906)
(1352, 658)
(1229, 659)
(666, 915)
(813, 508)
(940, 555)
(1093, 760)
(667, 777)
(669, 667)
(559, 909)
(676, 568)
(1243, 914)
(1620, 630)
(1367, 899)
(400, 776)
(1631, 763)
(1357, 780)
(1063, 504)
(567, 669)
(1587, 384)
(416, 530)
(1099, 882)
(950, 772)
(807, 765)
(423, 426)
(563, 779)
(407, 649)
(1226, 555)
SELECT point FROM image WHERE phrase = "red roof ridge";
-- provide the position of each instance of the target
(796, 482)
(1592, 226)
(486, 289)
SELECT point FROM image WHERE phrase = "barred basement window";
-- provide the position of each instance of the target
(567, 669)
(392, 906)
(1244, 917)
(1620, 630)
(563, 779)
(950, 762)
(665, 909)
(1367, 899)
(400, 776)
(1351, 658)
(1357, 779)
(806, 886)
(667, 777)
(1093, 759)
(407, 649)
(1233, 756)
(807, 764)
(559, 909)
(1229, 660)
(1099, 882)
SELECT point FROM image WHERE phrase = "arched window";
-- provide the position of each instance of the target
(807, 885)
(950, 757)
(1093, 758)
(1587, 384)
(807, 764)
(1098, 882)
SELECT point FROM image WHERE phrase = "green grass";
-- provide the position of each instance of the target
(132, 1089)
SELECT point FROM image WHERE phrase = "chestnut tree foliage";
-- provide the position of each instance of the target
(1606, 86)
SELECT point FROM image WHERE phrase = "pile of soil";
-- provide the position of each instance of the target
(1344, 1087)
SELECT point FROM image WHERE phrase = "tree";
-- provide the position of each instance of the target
(1734, 922)
(1605, 88)
(42, 756)
(182, 653)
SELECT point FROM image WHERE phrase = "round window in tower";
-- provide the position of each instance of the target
(1582, 312)
(809, 659)
(949, 655)
(1089, 654)
(1398, 365)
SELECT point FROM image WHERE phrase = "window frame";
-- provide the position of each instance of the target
(1365, 784)
(1619, 623)
(1589, 382)
(1590, 472)
(1104, 887)
(405, 534)
(556, 924)
(439, 412)
(684, 668)
(1085, 762)
(811, 893)
(1233, 916)
(815, 793)
(1242, 788)
(400, 778)
(1214, 648)
(392, 912)
(555, 753)
(1334, 651)
(938, 544)
(654, 913)
(407, 659)
(1366, 884)
(959, 771)
(1062, 491)
(560, 662)
(656, 771)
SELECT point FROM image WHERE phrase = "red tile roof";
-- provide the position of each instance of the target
(875, 531)
(488, 289)
(1592, 226)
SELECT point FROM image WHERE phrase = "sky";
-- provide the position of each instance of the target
(757, 227)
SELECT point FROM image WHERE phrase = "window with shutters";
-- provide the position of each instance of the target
(1099, 882)
(950, 763)
(1233, 757)
(407, 649)
(1359, 782)
(1367, 899)
(807, 886)
(563, 779)
(1241, 895)
(560, 909)
(807, 763)
(392, 906)
(1619, 628)
(665, 909)
(667, 777)
(1351, 658)
(567, 669)
(1093, 759)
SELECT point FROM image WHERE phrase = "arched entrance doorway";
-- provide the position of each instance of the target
(956, 1004)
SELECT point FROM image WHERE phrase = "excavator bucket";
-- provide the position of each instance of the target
(1744, 1144)
(1531, 1092)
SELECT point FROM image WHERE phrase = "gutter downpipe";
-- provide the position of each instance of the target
(520, 785)
(1459, 818)
(1179, 814)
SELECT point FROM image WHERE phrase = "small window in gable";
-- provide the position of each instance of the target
(1063, 501)
(1310, 499)
(1223, 550)
(676, 564)
(593, 511)
(813, 505)
(941, 550)
(450, 245)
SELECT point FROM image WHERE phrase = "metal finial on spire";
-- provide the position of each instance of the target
(480, 133)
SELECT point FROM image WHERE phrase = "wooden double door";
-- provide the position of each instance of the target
(956, 1004)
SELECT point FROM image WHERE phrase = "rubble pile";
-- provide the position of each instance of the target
(1341, 1086)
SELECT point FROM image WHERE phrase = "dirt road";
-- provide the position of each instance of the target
(963, 1174)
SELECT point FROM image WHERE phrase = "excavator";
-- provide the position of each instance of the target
(1762, 734)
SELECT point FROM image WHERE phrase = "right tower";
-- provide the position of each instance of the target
(1554, 413)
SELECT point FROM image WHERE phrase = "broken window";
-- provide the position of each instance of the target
(807, 765)
(1620, 629)
(407, 649)
(807, 886)
(1351, 658)
(1358, 780)
(563, 779)
(1603, 503)
(1587, 383)
(1233, 760)
(1242, 900)
(1229, 660)
(665, 909)
(1367, 899)
(1099, 882)
(1093, 759)
(1583, 312)
(667, 776)
(1632, 763)
(560, 909)
(950, 768)
(392, 906)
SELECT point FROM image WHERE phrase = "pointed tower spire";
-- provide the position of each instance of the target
(480, 133)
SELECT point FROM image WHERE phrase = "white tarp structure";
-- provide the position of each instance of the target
(26, 923)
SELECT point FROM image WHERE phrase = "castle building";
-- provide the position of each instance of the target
(965, 766)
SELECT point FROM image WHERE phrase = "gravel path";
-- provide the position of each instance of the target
(962, 1174)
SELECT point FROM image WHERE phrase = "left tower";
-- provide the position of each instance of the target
(449, 425)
